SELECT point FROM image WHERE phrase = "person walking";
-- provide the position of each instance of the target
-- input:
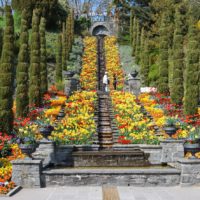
(105, 81)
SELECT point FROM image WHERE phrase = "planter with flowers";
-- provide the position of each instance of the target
(192, 143)
(45, 126)
(26, 138)
(170, 127)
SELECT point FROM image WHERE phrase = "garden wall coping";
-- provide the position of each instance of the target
(170, 140)
(190, 171)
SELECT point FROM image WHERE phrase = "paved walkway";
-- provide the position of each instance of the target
(95, 193)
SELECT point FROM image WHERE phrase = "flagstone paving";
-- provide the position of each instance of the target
(96, 193)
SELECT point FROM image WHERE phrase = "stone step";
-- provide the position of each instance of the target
(104, 123)
(104, 117)
(152, 176)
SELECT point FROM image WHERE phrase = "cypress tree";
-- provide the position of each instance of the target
(145, 65)
(177, 90)
(7, 75)
(142, 42)
(69, 32)
(22, 69)
(137, 50)
(192, 68)
(43, 59)
(1, 39)
(134, 36)
(164, 55)
(34, 83)
(68, 36)
(59, 59)
(72, 27)
(131, 25)
(64, 48)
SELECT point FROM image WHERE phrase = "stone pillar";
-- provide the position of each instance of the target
(190, 171)
(27, 173)
(67, 85)
(45, 152)
(134, 86)
(172, 150)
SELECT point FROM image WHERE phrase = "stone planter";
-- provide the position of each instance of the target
(68, 74)
(61, 115)
(191, 148)
(46, 131)
(27, 149)
(134, 74)
(170, 130)
(8, 153)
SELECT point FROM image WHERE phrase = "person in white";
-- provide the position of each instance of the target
(105, 81)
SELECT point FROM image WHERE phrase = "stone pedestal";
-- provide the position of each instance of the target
(70, 85)
(45, 152)
(190, 171)
(67, 85)
(134, 86)
(172, 150)
(27, 173)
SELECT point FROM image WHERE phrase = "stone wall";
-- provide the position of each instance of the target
(172, 150)
(27, 173)
(190, 171)
(148, 177)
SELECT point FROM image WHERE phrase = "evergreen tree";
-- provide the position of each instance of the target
(64, 48)
(134, 36)
(145, 63)
(72, 27)
(142, 42)
(1, 39)
(164, 55)
(192, 68)
(59, 59)
(7, 75)
(68, 35)
(177, 90)
(22, 69)
(69, 32)
(137, 50)
(43, 59)
(131, 25)
(34, 83)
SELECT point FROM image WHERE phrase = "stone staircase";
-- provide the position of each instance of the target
(105, 162)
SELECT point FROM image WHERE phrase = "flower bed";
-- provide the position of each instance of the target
(78, 125)
(8, 152)
(161, 109)
(88, 77)
(134, 127)
(113, 62)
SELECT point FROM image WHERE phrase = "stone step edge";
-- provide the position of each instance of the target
(139, 171)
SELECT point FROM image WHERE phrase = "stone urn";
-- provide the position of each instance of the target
(68, 74)
(46, 130)
(27, 149)
(170, 130)
(61, 115)
(192, 148)
(134, 74)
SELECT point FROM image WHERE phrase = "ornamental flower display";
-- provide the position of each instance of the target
(10, 152)
(113, 62)
(78, 125)
(59, 101)
(158, 107)
(88, 77)
(134, 127)
(153, 109)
